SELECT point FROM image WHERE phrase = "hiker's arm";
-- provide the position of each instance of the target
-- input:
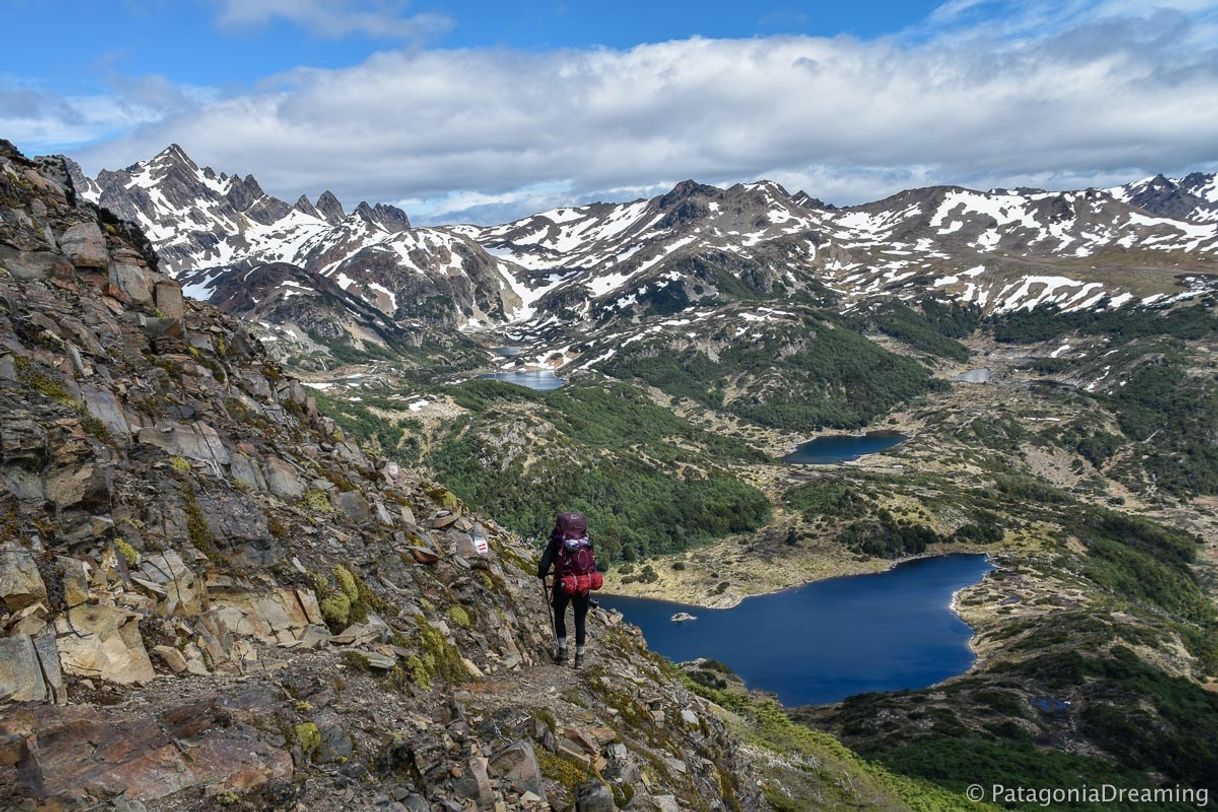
(547, 558)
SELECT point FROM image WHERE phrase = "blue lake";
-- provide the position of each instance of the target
(542, 379)
(828, 640)
(843, 447)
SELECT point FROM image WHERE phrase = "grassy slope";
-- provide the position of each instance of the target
(1110, 614)
(805, 768)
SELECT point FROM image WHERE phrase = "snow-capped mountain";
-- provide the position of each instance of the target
(206, 225)
(1193, 197)
(557, 275)
(1000, 250)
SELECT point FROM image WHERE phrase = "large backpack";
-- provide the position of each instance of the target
(575, 567)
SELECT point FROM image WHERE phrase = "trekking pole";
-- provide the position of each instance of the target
(545, 596)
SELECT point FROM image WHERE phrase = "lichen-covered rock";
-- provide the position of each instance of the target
(21, 584)
(103, 642)
(75, 754)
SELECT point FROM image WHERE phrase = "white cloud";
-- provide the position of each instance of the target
(30, 114)
(335, 18)
(1097, 96)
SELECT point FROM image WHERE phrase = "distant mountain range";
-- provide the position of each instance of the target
(370, 276)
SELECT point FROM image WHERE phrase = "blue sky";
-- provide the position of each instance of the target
(192, 42)
(485, 110)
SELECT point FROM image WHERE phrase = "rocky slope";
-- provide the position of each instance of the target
(1193, 197)
(211, 598)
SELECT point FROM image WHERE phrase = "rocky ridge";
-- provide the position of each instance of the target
(998, 251)
(208, 227)
(568, 273)
(211, 597)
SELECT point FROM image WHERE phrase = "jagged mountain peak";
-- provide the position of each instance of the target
(1193, 198)
(1201, 184)
(303, 206)
(174, 154)
(330, 209)
(428, 281)
(388, 217)
(687, 189)
(806, 200)
(771, 187)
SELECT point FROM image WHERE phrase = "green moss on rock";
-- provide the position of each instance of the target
(567, 771)
(129, 553)
(346, 582)
(458, 615)
(317, 501)
(336, 609)
(308, 737)
(439, 658)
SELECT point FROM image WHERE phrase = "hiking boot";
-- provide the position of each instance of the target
(560, 655)
(579, 659)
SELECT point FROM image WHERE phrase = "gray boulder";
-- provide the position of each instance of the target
(134, 281)
(476, 784)
(282, 480)
(85, 245)
(31, 265)
(594, 797)
(103, 405)
(29, 669)
(518, 764)
(355, 506)
(169, 299)
(20, 583)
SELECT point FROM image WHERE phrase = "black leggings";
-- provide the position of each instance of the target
(580, 604)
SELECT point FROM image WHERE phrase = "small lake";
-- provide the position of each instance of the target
(843, 447)
(828, 640)
(543, 379)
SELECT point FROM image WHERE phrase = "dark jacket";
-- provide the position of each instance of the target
(551, 553)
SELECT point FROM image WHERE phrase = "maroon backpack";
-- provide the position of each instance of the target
(575, 567)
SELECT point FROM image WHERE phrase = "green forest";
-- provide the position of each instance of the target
(626, 463)
(823, 374)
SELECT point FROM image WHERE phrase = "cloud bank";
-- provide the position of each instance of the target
(1061, 95)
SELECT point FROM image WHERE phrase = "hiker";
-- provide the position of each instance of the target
(575, 576)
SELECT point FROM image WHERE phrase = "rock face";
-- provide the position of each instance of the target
(78, 753)
(20, 583)
(207, 595)
(30, 669)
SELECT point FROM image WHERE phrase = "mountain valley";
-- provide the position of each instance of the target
(247, 438)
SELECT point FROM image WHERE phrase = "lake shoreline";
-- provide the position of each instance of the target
(794, 449)
(703, 599)
(835, 604)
